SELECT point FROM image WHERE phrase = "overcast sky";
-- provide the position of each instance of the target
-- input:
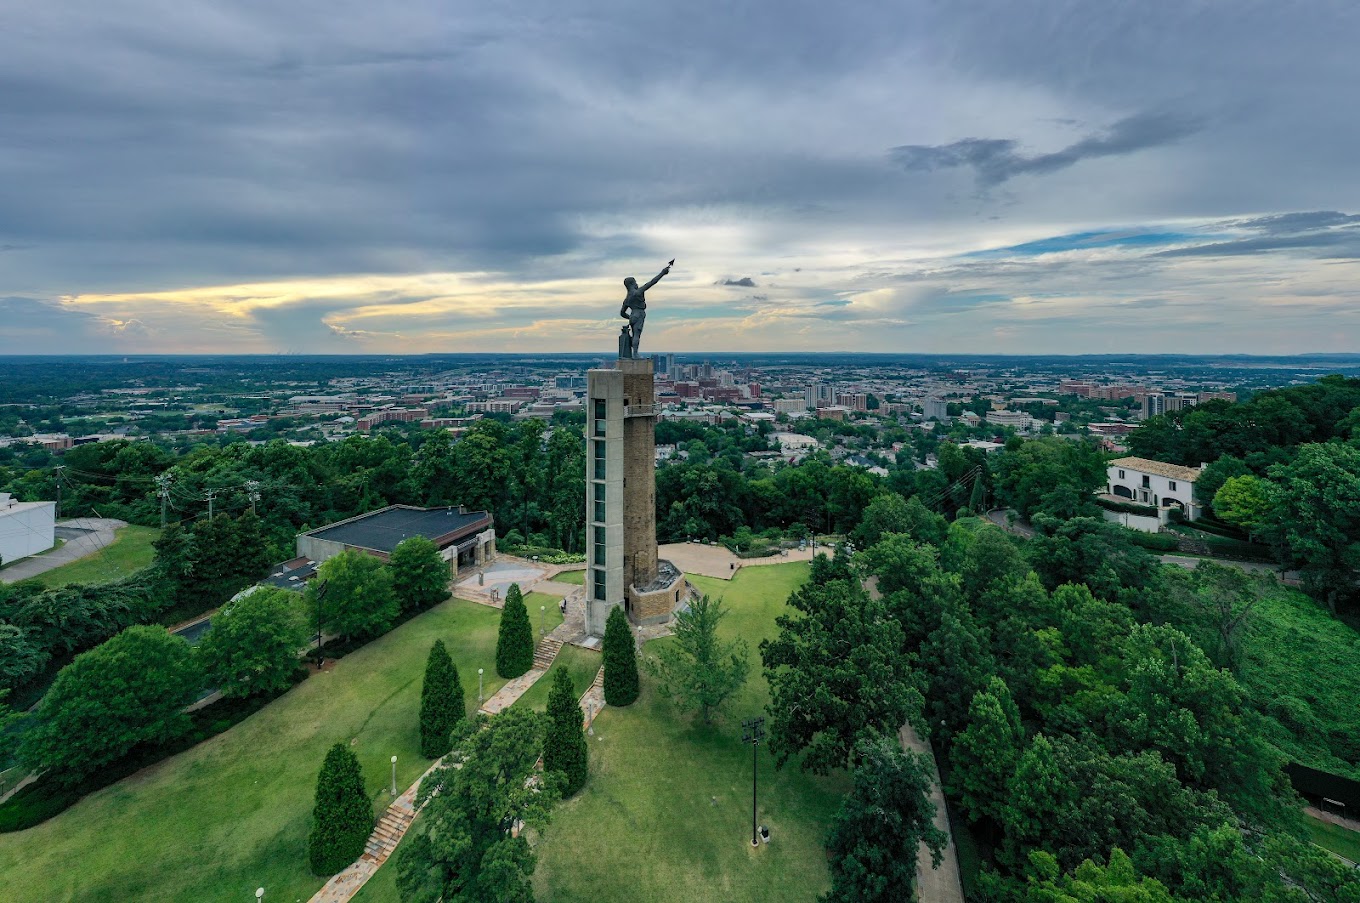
(1046, 177)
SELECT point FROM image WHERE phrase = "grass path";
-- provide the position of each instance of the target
(232, 814)
(129, 552)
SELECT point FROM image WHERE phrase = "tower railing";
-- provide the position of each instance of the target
(639, 410)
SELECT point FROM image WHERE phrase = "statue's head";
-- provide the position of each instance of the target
(630, 283)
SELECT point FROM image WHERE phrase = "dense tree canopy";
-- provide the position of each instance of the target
(129, 690)
(254, 642)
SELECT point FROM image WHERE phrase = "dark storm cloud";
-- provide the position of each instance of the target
(170, 147)
(995, 160)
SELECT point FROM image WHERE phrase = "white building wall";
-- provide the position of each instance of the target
(26, 528)
(1159, 492)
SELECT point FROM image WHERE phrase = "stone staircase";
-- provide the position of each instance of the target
(391, 828)
(545, 653)
(598, 684)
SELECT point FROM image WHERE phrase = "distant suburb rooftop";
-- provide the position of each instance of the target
(467, 537)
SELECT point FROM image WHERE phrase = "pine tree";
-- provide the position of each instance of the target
(515, 645)
(343, 817)
(620, 661)
(441, 703)
(564, 744)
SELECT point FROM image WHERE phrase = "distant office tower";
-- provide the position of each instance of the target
(820, 395)
(935, 409)
(1155, 404)
(665, 363)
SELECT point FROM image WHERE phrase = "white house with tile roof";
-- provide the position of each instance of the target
(1146, 482)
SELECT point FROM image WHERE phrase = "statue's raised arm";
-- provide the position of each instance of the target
(635, 309)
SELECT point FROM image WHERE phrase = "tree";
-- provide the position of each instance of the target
(621, 686)
(887, 513)
(442, 704)
(985, 755)
(132, 689)
(253, 644)
(876, 832)
(1036, 796)
(515, 643)
(1318, 516)
(564, 743)
(358, 597)
(1245, 502)
(20, 656)
(698, 670)
(1029, 477)
(1092, 883)
(958, 663)
(342, 818)
(466, 848)
(836, 672)
(420, 578)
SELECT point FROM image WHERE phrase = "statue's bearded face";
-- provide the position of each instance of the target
(630, 282)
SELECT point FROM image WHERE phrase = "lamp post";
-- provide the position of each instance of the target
(479, 686)
(542, 620)
(394, 775)
(753, 731)
(259, 893)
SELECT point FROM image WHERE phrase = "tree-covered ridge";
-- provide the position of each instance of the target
(1081, 718)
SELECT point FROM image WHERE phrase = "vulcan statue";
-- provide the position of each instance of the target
(635, 309)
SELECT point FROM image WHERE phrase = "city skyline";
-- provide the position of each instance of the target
(926, 178)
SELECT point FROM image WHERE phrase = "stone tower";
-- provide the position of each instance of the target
(622, 568)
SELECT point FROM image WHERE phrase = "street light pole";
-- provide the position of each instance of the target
(542, 620)
(259, 894)
(479, 686)
(753, 731)
(394, 775)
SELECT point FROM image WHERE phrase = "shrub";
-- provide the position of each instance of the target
(620, 661)
(564, 744)
(515, 644)
(441, 703)
(343, 816)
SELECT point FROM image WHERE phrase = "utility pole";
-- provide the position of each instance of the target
(163, 490)
(58, 469)
(320, 596)
(210, 494)
(253, 492)
(753, 732)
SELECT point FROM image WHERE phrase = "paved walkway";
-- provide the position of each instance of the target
(85, 536)
(933, 885)
(718, 561)
(397, 819)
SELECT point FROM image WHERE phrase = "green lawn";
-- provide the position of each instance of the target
(130, 551)
(576, 577)
(666, 815)
(232, 814)
(581, 664)
(1335, 838)
(544, 613)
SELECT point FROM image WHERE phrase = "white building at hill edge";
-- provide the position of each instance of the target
(26, 528)
(1154, 483)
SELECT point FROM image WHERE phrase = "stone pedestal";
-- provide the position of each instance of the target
(621, 562)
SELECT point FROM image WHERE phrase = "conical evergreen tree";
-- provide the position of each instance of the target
(564, 744)
(441, 703)
(515, 645)
(343, 817)
(620, 661)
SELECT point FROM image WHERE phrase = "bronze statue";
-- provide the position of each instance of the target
(635, 310)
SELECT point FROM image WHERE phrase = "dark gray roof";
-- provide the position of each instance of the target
(382, 530)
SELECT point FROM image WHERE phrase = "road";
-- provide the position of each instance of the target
(84, 536)
(1019, 528)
